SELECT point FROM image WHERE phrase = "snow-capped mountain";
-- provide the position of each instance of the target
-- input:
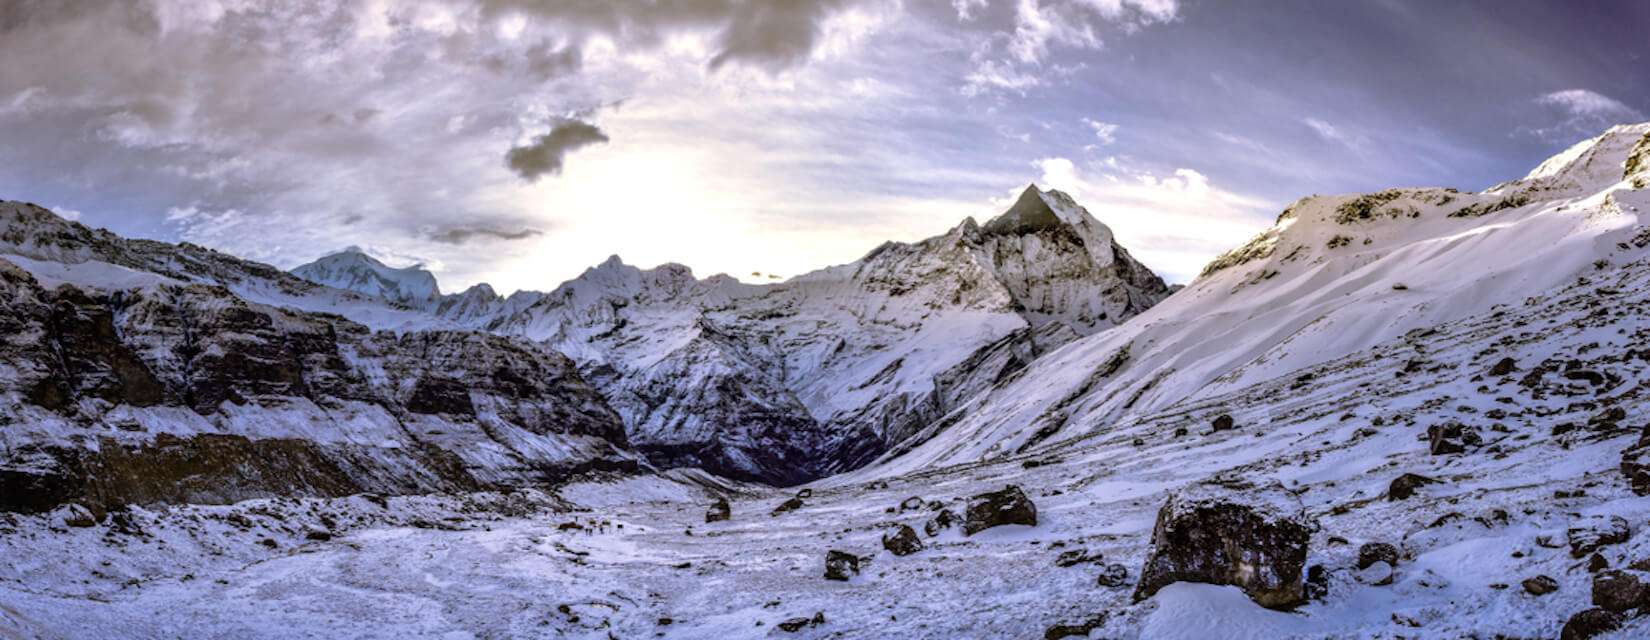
(353, 270)
(790, 381)
(1335, 275)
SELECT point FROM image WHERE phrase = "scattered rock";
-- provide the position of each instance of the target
(1235, 533)
(1452, 437)
(789, 505)
(804, 494)
(841, 565)
(1223, 422)
(1597, 563)
(901, 541)
(1590, 623)
(1076, 557)
(1317, 582)
(941, 521)
(1378, 573)
(1594, 532)
(794, 625)
(1621, 590)
(1114, 575)
(1504, 367)
(1374, 552)
(1540, 585)
(318, 535)
(1404, 486)
(913, 503)
(1078, 630)
(719, 511)
(997, 508)
(74, 515)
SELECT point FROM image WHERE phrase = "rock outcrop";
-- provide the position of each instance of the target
(1252, 537)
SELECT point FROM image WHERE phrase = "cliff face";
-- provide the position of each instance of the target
(188, 393)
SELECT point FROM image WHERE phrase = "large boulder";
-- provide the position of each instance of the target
(996, 508)
(1590, 623)
(1621, 590)
(1253, 537)
(1635, 464)
(1452, 437)
(1594, 532)
(719, 511)
(841, 565)
(901, 541)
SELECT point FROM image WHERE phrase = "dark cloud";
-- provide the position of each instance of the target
(544, 156)
(463, 235)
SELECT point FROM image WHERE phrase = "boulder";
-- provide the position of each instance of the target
(719, 511)
(1077, 630)
(1621, 590)
(941, 521)
(1113, 575)
(901, 541)
(1590, 623)
(997, 508)
(791, 504)
(1223, 422)
(1504, 367)
(913, 503)
(1635, 464)
(841, 565)
(1540, 585)
(74, 515)
(1452, 437)
(1595, 532)
(1077, 556)
(1374, 552)
(1233, 533)
(1404, 486)
(794, 625)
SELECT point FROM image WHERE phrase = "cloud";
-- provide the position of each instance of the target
(966, 8)
(1174, 222)
(1337, 135)
(1580, 113)
(1105, 131)
(544, 155)
(1009, 58)
(463, 235)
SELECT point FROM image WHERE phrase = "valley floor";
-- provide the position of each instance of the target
(633, 557)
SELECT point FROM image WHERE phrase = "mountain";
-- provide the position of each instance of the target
(1334, 276)
(787, 382)
(140, 372)
(353, 270)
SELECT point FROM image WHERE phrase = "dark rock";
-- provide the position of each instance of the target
(1075, 557)
(1621, 590)
(1235, 533)
(1223, 422)
(791, 504)
(1113, 575)
(941, 521)
(997, 508)
(719, 511)
(805, 493)
(1590, 623)
(1540, 585)
(913, 503)
(1595, 532)
(1078, 630)
(1452, 437)
(901, 541)
(318, 535)
(1635, 464)
(1374, 552)
(1404, 486)
(841, 565)
(794, 625)
(1378, 573)
(1504, 367)
(74, 515)
(1597, 563)
(445, 396)
(1317, 582)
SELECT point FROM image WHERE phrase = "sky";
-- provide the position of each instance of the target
(518, 142)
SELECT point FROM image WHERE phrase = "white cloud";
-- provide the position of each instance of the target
(1584, 102)
(1041, 27)
(966, 8)
(1338, 135)
(1174, 223)
(1105, 131)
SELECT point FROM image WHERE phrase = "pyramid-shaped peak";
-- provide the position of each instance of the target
(1030, 213)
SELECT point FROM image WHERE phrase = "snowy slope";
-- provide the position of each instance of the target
(1335, 275)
